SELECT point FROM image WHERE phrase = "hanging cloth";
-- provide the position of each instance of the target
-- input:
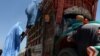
(32, 11)
(12, 42)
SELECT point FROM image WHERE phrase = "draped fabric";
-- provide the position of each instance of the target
(12, 41)
(32, 12)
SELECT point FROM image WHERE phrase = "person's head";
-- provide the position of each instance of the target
(80, 18)
(85, 21)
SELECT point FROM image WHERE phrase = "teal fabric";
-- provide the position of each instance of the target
(98, 49)
(75, 26)
(12, 42)
(95, 22)
(72, 28)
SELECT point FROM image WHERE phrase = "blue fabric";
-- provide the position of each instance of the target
(32, 12)
(38, 16)
(72, 28)
(12, 42)
(71, 21)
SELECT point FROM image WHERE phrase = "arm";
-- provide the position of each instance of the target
(23, 36)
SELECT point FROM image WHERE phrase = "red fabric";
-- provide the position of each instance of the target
(59, 12)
